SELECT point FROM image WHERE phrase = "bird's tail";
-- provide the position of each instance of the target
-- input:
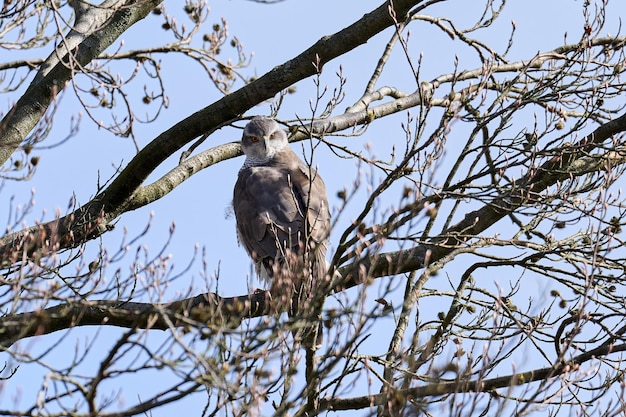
(308, 300)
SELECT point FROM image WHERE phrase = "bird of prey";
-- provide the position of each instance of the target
(283, 220)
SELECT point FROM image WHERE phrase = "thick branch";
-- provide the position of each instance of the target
(233, 105)
(92, 219)
(206, 308)
(94, 31)
(212, 309)
(525, 190)
(486, 385)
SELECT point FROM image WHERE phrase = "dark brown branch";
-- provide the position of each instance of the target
(205, 308)
(485, 385)
(525, 191)
(233, 105)
(211, 308)
(93, 219)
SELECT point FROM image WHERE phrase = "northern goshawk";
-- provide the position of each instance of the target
(283, 221)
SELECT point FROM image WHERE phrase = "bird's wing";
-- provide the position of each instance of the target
(268, 217)
(270, 202)
(307, 183)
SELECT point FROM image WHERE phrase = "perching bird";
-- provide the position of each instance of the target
(283, 220)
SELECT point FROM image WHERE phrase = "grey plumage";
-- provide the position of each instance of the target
(283, 219)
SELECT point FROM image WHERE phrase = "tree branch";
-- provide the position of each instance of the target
(206, 308)
(486, 385)
(93, 32)
(92, 219)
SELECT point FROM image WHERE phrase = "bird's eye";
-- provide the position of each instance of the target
(254, 138)
(272, 136)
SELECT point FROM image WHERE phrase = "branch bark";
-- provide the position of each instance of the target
(94, 30)
(94, 218)
(212, 309)
(480, 385)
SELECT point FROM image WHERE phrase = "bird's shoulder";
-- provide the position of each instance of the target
(267, 190)
(284, 166)
(272, 197)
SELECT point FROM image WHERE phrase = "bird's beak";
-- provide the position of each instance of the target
(266, 140)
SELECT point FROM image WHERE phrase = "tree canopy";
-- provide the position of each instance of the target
(473, 157)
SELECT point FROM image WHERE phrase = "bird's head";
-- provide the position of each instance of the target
(262, 139)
